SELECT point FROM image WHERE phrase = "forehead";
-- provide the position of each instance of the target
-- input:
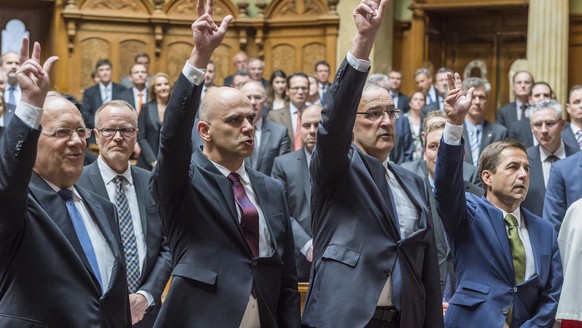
(322, 67)
(576, 94)
(252, 89)
(522, 76)
(311, 115)
(228, 100)
(137, 68)
(255, 63)
(10, 57)
(117, 113)
(394, 75)
(420, 77)
(298, 80)
(434, 135)
(143, 59)
(480, 91)
(58, 111)
(512, 154)
(540, 88)
(376, 95)
(162, 79)
(543, 114)
(441, 75)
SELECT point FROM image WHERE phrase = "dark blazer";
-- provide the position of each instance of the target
(228, 81)
(357, 245)
(291, 170)
(445, 256)
(157, 263)
(149, 134)
(534, 201)
(564, 188)
(214, 268)
(274, 142)
(127, 95)
(491, 133)
(507, 114)
(402, 103)
(45, 277)
(283, 116)
(92, 101)
(568, 136)
(403, 143)
(521, 131)
(477, 234)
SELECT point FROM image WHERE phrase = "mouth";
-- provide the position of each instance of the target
(386, 136)
(249, 142)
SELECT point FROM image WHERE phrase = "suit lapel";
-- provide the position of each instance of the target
(141, 188)
(534, 234)
(260, 189)
(302, 163)
(498, 224)
(405, 182)
(487, 135)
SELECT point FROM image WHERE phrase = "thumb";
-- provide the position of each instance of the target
(49, 64)
(470, 93)
(225, 22)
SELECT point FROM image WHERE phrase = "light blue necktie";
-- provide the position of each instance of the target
(127, 235)
(81, 232)
(11, 98)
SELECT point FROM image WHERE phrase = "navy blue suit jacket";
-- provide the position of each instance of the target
(214, 269)
(357, 244)
(92, 101)
(564, 188)
(486, 286)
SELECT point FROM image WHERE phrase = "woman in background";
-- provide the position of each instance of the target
(276, 90)
(151, 118)
(416, 103)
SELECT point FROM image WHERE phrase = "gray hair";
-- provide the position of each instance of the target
(547, 103)
(422, 71)
(474, 82)
(378, 78)
(118, 103)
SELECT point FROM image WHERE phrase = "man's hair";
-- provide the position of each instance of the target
(377, 77)
(541, 83)
(321, 62)
(252, 60)
(422, 71)
(395, 70)
(141, 55)
(431, 115)
(290, 76)
(6, 53)
(103, 62)
(431, 128)
(522, 71)
(474, 82)
(118, 103)
(490, 157)
(134, 65)
(574, 88)
(444, 70)
(211, 62)
(547, 103)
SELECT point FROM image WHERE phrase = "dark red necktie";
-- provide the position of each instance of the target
(249, 218)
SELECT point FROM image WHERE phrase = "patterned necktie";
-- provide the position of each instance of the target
(249, 217)
(523, 107)
(579, 138)
(297, 143)
(105, 97)
(82, 233)
(517, 248)
(552, 158)
(475, 145)
(11, 98)
(127, 236)
(139, 103)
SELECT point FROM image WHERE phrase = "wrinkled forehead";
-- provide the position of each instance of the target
(59, 111)
(376, 94)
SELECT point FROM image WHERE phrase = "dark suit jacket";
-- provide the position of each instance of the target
(507, 114)
(157, 263)
(491, 132)
(534, 201)
(357, 245)
(446, 267)
(521, 131)
(283, 116)
(149, 134)
(92, 101)
(291, 170)
(564, 188)
(45, 277)
(402, 103)
(127, 95)
(274, 142)
(403, 143)
(477, 234)
(568, 136)
(227, 81)
(214, 267)
(424, 112)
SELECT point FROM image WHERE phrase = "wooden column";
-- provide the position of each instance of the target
(547, 44)
(382, 53)
(416, 47)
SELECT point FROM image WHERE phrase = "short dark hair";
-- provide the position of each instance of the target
(321, 62)
(541, 83)
(489, 159)
(103, 62)
(290, 76)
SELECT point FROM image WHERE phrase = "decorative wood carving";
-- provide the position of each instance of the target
(127, 50)
(92, 50)
(283, 57)
(117, 5)
(311, 54)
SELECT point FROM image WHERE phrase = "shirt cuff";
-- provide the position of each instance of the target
(29, 114)
(305, 247)
(361, 65)
(453, 134)
(193, 74)
(147, 295)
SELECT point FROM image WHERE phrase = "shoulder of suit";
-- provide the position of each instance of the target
(89, 196)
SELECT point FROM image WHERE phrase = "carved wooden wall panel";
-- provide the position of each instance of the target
(283, 57)
(92, 49)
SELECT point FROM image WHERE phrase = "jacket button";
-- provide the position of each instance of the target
(388, 272)
(505, 311)
(255, 262)
(515, 289)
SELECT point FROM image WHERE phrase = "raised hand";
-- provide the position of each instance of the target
(33, 78)
(368, 16)
(457, 104)
(206, 34)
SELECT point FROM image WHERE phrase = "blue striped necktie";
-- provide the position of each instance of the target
(127, 236)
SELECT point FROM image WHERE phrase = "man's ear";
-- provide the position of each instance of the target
(204, 130)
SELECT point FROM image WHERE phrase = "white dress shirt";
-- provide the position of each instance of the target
(546, 164)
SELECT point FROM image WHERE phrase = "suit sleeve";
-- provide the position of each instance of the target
(408, 142)
(555, 199)
(170, 176)
(89, 107)
(449, 187)
(146, 149)
(285, 145)
(501, 116)
(160, 273)
(17, 156)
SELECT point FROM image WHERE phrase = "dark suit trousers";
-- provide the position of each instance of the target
(383, 324)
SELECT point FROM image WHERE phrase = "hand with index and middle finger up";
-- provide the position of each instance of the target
(34, 79)
(206, 34)
(457, 103)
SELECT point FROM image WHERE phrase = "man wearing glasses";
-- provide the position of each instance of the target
(147, 255)
(375, 262)
(60, 260)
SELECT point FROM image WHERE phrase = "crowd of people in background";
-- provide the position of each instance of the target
(431, 162)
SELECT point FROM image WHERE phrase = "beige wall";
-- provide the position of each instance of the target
(575, 7)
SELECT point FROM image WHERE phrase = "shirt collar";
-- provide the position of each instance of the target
(109, 175)
(560, 152)
(259, 124)
(471, 126)
(241, 171)
(76, 195)
(516, 213)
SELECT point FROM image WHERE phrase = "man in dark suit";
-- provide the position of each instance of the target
(517, 110)
(479, 132)
(321, 71)
(423, 79)
(228, 225)
(59, 245)
(137, 95)
(293, 171)
(297, 91)
(395, 82)
(521, 130)
(508, 273)
(442, 88)
(375, 262)
(573, 132)
(100, 93)
(271, 139)
(240, 62)
(256, 67)
(547, 125)
(425, 169)
(113, 178)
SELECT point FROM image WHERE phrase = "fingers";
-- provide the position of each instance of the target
(209, 6)
(470, 93)
(382, 6)
(458, 82)
(36, 52)
(200, 8)
(224, 24)
(24, 50)
(451, 81)
(363, 9)
(49, 63)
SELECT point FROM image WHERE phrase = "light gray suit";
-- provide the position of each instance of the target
(274, 142)
(283, 117)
